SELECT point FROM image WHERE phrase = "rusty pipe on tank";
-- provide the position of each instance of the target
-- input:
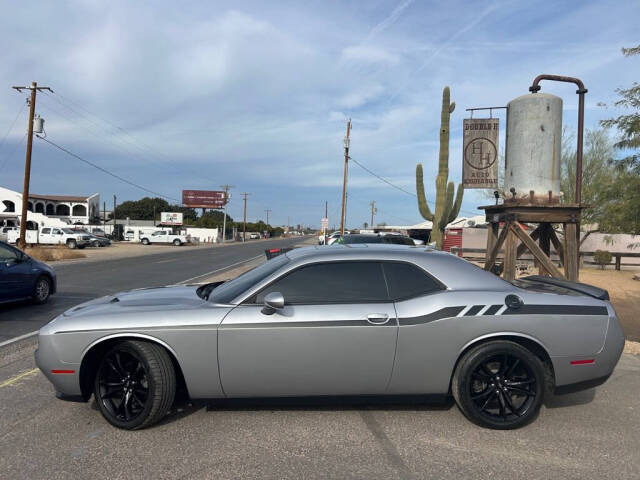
(535, 87)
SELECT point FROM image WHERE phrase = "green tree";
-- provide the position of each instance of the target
(144, 209)
(213, 219)
(598, 174)
(628, 124)
(623, 214)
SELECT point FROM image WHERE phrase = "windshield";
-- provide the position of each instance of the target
(226, 292)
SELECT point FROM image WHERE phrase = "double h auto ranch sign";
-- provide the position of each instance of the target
(480, 153)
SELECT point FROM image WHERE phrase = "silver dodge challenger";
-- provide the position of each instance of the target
(333, 321)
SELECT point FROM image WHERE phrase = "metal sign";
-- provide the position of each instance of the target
(204, 198)
(171, 218)
(325, 223)
(480, 153)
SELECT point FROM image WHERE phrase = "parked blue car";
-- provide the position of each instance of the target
(24, 278)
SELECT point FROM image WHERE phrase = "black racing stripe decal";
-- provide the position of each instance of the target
(311, 323)
(556, 310)
(474, 310)
(432, 317)
(493, 309)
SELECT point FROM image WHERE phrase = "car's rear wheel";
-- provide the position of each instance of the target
(42, 290)
(145, 241)
(135, 384)
(499, 384)
(96, 243)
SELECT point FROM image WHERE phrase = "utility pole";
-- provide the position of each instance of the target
(288, 225)
(113, 234)
(104, 216)
(344, 180)
(267, 210)
(373, 210)
(326, 215)
(27, 164)
(244, 220)
(226, 200)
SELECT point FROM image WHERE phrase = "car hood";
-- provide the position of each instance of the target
(182, 296)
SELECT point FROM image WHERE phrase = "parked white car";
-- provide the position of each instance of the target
(163, 236)
(52, 236)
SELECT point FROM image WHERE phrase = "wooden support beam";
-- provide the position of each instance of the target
(571, 251)
(492, 238)
(545, 244)
(557, 244)
(618, 262)
(537, 252)
(522, 247)
(491, 259)
(510, 251)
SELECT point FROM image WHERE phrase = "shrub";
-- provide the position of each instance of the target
(602, 258)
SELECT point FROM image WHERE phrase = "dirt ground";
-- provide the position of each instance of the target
(624, 293)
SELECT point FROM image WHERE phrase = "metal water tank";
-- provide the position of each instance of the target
(534, 142)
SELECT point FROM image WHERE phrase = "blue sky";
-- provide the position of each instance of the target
(194, 95)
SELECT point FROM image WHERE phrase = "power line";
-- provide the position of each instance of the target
(10, 154)
(105, 170)
(396, 186)
(13, 124)
(383, 179)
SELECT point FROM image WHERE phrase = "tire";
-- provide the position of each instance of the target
(499, 385)
(96, 243)
(144, 396)
(177, 242)
(145, 241)
(42, 290)
(71, 244)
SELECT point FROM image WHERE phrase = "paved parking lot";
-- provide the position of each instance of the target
(592, 434)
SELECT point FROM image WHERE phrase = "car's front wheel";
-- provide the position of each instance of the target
(177, 242)
(499, 384)
(135, 384)
(42, 290)
(71, 244)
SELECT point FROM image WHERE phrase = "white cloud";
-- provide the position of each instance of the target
(368, 54)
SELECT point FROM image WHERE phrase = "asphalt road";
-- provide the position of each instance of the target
(81, 281)
(587, 435)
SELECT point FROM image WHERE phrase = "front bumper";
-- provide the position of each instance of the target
(64, 376)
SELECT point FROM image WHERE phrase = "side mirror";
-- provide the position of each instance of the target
(272, 302)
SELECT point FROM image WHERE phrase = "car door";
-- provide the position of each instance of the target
(15, 275)
(336, 335)
(56, 236)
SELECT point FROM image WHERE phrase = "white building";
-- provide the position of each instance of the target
(69, 209)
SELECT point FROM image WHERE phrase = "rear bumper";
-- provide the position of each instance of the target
(573, 374)
(579, 386)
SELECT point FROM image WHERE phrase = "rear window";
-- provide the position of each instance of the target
(408, 281)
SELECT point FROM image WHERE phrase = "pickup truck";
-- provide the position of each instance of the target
(52, 236)
(163, 236)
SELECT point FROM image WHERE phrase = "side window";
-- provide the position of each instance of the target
(408, 281)
(7, 254)
(46, 230)
(56, 231)
(337, 282)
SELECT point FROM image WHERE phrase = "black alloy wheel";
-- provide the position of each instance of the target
(135, 384)
(42, 290)
(499, 385)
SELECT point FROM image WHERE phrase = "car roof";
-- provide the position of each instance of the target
(453, 271)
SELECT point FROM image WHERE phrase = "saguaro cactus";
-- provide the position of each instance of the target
(446, 209)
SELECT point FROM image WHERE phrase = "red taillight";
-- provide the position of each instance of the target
(583, 362)
(63, 371)
(274, 250)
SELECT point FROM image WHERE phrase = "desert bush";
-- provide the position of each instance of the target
(51, 254)
(602, 257)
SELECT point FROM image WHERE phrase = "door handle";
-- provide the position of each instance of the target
(377, 318)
